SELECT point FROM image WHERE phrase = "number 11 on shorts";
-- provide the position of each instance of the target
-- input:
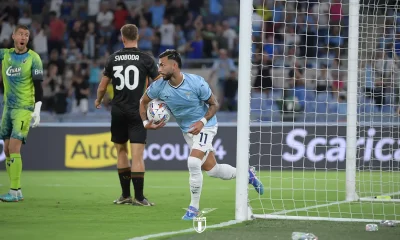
(205, 137)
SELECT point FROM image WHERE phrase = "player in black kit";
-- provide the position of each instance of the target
(129, 70)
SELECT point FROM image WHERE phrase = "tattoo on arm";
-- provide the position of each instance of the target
(212, 107)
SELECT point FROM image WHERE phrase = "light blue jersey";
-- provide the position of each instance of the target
(187, 101)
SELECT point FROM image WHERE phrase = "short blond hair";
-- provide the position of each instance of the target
(130, 32)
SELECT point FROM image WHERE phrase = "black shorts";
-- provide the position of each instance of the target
(127, 126)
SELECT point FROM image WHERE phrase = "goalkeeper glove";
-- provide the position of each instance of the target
(36, 114)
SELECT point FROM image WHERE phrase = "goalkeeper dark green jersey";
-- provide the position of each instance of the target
(18, 72)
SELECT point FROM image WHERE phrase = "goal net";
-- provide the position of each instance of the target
(324, 127)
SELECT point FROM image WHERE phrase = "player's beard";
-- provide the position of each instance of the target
(167, 76)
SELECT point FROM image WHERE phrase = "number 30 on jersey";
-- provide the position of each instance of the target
(125, 77)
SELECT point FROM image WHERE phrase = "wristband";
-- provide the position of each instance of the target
(204, 121)
(145, 122)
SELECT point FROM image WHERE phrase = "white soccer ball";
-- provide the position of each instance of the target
(157, 111)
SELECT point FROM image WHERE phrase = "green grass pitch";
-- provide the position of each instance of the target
(78, 205)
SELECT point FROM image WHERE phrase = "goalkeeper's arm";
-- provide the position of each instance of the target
(38, 102)
(38, 91)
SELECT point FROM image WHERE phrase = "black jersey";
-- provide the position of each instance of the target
(129, 70)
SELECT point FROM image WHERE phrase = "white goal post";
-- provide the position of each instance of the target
(319, 157)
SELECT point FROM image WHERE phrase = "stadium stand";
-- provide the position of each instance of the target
(74, 37)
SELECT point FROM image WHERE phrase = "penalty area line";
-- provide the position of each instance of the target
(163, 234)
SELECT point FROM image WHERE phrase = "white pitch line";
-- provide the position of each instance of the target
(163, 234)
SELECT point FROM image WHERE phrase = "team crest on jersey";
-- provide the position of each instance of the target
(187, 94)
(24, 61)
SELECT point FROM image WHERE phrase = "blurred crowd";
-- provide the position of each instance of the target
(74, 37)
(301, 54)
(299, 48)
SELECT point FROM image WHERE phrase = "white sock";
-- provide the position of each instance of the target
(195, 180)
(223, 171)
(13, 192)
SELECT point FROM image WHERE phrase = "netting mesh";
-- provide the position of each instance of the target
(299, 108)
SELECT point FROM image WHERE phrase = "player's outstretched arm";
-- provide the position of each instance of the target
(212, 110)
(101, 91)
(144, 102)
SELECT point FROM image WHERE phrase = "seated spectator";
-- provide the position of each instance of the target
(60, 100)
(263, 79)
(335, 41)
(105, 18)
(50, 84)
(120, 15)
(336, 12)
(94, 77)
(40, 41)
(80, 90)
(7, 28)
(269, 46)
(397, 44)
(195, 47)
(222, 67)
(25, 19)
(146, 36)
(230, 91)
(157, 10)
(324, 79)
(294, 97)
(338, 78)
(72, 53)
(167, 31)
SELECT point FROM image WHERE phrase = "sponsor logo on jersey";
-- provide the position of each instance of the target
(127, 57)
(13, 71)
(38, 72)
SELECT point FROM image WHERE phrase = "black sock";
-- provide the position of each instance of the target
(125, 180)
(138, 182)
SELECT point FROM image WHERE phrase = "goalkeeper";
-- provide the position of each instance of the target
(194, 106)
(22, 73)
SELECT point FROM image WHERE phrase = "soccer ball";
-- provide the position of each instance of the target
(157, 111)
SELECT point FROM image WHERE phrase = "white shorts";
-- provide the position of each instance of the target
(202, 141)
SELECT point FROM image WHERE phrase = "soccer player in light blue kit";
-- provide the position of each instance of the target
(192, 103)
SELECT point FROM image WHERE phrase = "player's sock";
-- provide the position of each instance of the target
(223, 171)
(7, 167)
(125, 181)
(195, 180)
(138, 183)
(14, 192)
(15, 170)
